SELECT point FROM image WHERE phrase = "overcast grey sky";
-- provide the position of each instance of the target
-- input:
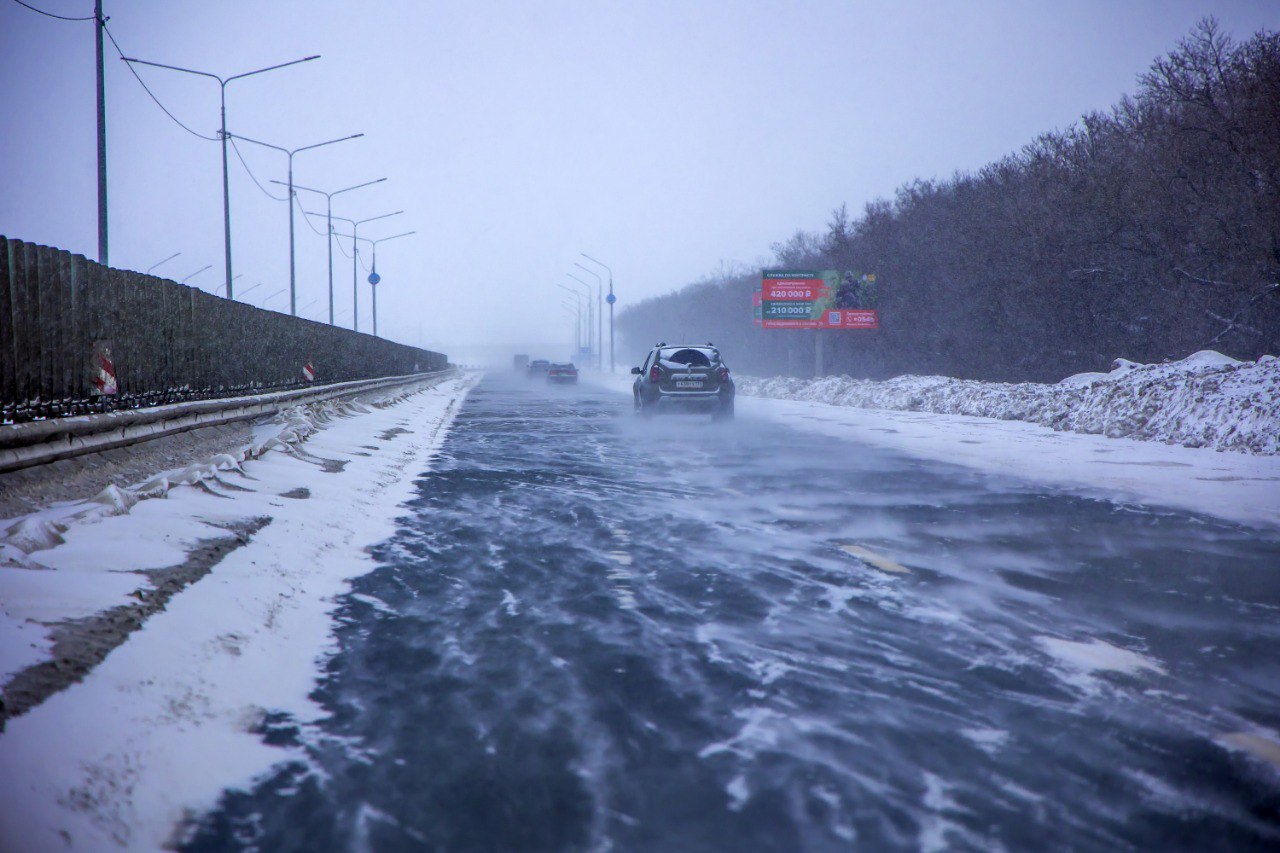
(659, 137)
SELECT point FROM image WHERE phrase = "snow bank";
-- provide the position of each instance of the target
(153, 734)
(1205, 400)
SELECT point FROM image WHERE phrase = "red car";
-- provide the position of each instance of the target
(562, 374)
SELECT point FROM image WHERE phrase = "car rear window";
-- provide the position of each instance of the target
(690, 356)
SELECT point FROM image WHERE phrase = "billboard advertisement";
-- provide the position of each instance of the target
(816, 299)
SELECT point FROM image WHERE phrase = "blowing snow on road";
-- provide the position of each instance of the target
(595, 631)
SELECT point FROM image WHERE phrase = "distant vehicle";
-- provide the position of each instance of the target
(692, 377)
(538, 367)
(520, 363)
(562, 374)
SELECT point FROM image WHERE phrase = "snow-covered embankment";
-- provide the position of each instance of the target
(1205, 400)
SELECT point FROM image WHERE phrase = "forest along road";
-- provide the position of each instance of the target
(596, 631)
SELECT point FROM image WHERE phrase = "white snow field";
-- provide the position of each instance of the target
(156, 731)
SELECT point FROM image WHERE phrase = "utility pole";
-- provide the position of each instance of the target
(99, 23)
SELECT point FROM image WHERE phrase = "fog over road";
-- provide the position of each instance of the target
(597, 631)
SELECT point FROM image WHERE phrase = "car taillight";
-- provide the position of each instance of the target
(654, 374)
(724, 374)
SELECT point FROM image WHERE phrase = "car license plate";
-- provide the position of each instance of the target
(688, 383)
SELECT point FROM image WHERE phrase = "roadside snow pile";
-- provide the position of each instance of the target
(39, 531)
(1204, 400)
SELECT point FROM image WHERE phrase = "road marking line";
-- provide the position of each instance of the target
(876, 561)
(1256, 745)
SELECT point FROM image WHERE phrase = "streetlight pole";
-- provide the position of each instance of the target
(223, 135)
(355, 253)
(592, 344)
(374, 279)
(577, 298)
(577, 327)
(599, 315)
(293, 295)
(610, 299)
(329, 224)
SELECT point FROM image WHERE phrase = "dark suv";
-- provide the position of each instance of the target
(689, 376)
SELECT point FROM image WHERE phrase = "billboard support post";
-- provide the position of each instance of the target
(817, 354)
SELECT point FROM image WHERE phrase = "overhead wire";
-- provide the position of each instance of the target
(252, 176)
(239, 156)
(305, 217)
(132, 70)
(51, 14)
(146, 88)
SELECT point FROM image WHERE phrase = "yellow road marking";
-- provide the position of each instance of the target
(1259, 746)
(877, 561)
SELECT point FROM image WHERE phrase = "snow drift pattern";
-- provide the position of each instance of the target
(42, 530)
(1205, 400)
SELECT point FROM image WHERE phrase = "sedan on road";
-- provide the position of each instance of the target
(690, 377)
(562, 374)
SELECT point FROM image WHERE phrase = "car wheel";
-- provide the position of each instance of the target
(724, 412)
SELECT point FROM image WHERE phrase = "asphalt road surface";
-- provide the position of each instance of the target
(598, 632)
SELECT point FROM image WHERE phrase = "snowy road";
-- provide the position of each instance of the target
(592, 631)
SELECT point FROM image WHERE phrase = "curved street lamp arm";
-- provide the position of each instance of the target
(259, 142)
(594, 261)
(599, 280)
(131, 59)
(269, 68)
(392, 237)
(374, 218)
(356, 187)
(158, 263)
(321, 144)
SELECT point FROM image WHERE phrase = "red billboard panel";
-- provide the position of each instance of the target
(809, 299)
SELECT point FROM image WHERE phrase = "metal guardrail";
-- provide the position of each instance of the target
(26, 445)
(78, 338)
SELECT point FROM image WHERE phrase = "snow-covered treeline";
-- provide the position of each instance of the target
(1147, 229)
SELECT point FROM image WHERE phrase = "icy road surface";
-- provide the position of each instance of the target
(593, 631)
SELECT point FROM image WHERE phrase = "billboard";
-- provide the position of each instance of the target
(816, 299)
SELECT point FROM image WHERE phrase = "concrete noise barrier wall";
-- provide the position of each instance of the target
(77, 337)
